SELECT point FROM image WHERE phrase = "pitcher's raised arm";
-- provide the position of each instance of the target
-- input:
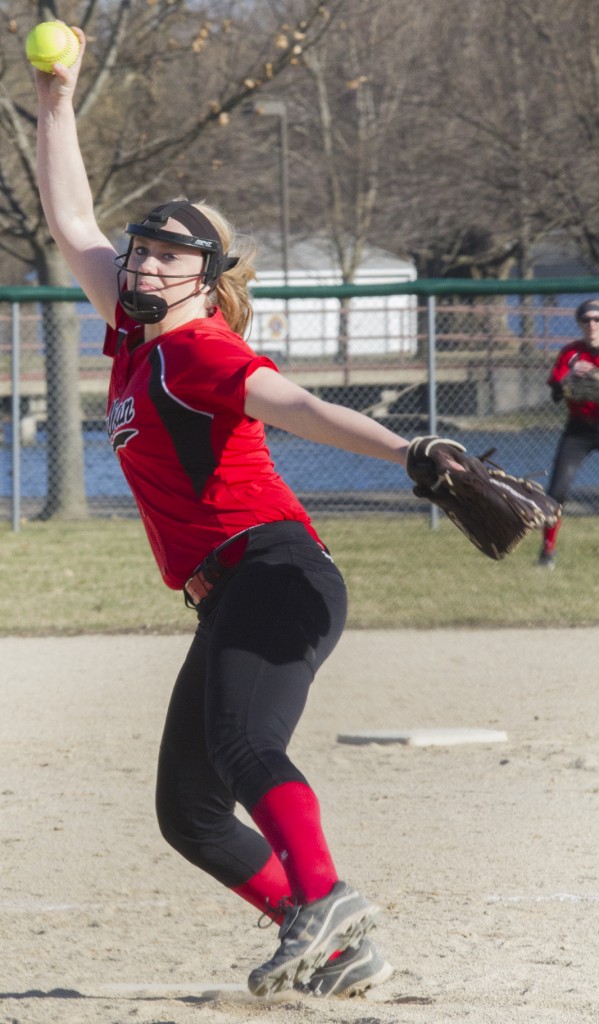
(65, 191)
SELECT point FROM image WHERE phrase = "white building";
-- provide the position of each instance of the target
(310, 328)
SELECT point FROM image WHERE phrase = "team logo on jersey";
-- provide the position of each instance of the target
(117, 423)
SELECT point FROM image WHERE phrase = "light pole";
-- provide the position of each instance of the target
(276, 108)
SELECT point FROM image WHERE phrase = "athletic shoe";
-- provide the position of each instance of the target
(547, 560)
(309, 934)
(351, 973)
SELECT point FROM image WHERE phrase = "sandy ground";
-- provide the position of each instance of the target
(484, 856)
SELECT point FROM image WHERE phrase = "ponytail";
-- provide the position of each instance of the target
(231, 293)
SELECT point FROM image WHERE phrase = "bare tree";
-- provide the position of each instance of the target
(157, 75)
(505, 151)
(341, 126)
(566, 34)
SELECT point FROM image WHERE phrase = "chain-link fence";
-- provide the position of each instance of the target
(421, 357)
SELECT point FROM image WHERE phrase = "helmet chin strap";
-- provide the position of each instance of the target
(145, 307)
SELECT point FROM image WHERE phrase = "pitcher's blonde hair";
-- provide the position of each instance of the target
(232, 294)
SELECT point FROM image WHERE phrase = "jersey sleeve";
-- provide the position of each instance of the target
(209, 373)
(110, 341)
(114, 335)
(231, 390)
(563, 364)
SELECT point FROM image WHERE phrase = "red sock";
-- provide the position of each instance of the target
(550, 534)
(268, 889)
(289, 817)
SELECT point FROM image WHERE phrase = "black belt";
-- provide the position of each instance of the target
(215, 566)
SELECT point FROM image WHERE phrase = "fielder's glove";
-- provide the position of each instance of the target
(581, 387)
(494, 510)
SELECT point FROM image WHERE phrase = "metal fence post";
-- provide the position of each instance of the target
(16, 416)
(431, 309)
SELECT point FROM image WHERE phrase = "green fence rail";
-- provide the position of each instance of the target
(426, 287)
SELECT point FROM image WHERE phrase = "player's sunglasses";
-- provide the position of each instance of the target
(589, 319)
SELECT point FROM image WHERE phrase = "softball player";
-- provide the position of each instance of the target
(580, 436)
(187, 402)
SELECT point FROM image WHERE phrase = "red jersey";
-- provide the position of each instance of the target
(198, 467)
(567, 356)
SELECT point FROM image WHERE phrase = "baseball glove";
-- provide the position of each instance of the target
(581, 387)
(495, 510)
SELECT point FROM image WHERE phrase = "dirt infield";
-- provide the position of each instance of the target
(483, 856)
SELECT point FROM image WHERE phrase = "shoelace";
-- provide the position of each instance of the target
(284, 905)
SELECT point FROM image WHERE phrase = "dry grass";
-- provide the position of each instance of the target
(99, 577)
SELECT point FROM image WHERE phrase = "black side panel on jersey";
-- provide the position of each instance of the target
(188, 430)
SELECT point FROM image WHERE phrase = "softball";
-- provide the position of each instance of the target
(49, 43)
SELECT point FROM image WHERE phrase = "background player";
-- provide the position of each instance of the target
(581, 433)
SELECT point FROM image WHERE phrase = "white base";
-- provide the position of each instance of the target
(425, 737)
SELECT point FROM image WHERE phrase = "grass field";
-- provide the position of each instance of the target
(99, 577)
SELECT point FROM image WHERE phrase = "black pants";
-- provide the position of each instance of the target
(578, 440)
(263, 634)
